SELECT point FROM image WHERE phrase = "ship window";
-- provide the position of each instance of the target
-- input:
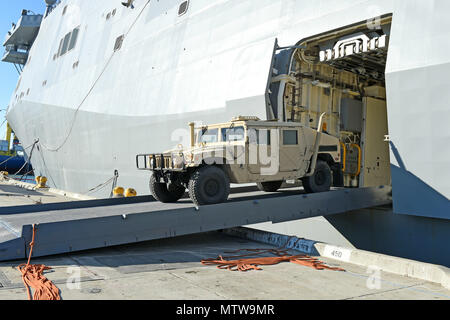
(60, 47)
(65, 44)
(68, 42)
(73, 39)
(64, 10)
(118, 43)
(183, 8)
(290, 137)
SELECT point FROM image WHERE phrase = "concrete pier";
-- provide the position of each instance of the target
(171, 269)
(22, 194)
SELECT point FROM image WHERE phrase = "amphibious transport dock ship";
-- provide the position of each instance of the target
(103, 81)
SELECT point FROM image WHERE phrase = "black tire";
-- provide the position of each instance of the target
(272, 186)
(163, 194)
(320, 181)
(209, 185)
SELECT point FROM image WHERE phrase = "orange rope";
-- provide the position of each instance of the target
(33, 277)
(233, 263)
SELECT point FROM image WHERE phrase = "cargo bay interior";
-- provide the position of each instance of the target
(341, 73)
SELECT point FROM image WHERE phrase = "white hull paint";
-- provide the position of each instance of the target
(210, 65)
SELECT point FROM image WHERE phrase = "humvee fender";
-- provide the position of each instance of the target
(165, 193)
(320, 181)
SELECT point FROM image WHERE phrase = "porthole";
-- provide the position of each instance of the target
(184, 6)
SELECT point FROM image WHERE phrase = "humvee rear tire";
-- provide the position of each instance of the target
(271, 186)
(165, 194)
(209, 185)
(320, 181)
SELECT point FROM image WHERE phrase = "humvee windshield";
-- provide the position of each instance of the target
(207, 135)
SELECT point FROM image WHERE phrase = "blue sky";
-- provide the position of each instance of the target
(10, 11)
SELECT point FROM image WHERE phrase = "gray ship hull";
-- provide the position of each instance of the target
(93, 110)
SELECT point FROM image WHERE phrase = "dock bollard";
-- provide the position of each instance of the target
(4, 175)
(118, 192)
(129, 193)
(41, 182)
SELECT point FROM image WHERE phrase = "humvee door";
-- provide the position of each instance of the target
(259, 153)
(291, 149)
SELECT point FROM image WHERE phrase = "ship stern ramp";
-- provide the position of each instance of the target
(77, 226)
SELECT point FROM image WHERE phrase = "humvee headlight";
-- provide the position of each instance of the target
(189, 157)
(177, 161)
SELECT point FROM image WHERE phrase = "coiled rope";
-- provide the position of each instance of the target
(33, 277)
(237, 263)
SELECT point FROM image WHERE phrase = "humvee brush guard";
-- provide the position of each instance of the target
(245, 150)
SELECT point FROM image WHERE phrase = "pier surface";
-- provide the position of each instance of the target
(171, 269)
(11, 195)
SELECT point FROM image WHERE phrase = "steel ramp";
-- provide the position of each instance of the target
(77, 226)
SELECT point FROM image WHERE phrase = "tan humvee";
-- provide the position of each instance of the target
(245, 150)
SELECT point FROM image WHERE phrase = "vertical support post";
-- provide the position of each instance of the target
(192, 128)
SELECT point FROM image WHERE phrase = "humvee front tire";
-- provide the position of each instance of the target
(165, 194)
(272, 186)
(209, 185)
(320, 181)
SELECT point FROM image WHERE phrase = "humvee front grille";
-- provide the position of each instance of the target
(162, 162)
(155, 162)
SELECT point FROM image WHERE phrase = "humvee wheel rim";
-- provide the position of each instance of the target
(320, 178)
(211, 187)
